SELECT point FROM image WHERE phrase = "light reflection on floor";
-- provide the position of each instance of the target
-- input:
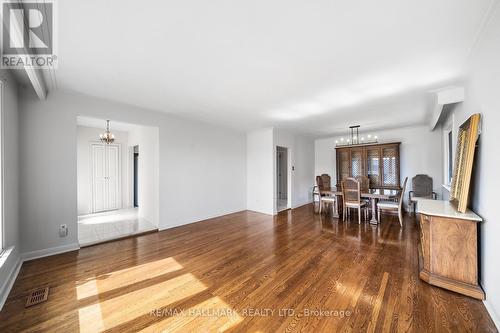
(122, 278)
(202, 317)
(119, 310)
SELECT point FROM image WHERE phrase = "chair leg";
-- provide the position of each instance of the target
(359, 215)
(378, 215)
(320, 204)
(400, 214)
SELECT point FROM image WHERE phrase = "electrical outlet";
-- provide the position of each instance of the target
(63, 230)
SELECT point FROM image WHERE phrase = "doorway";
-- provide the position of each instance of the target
(117, 196)
(282, 183)
(136, 176)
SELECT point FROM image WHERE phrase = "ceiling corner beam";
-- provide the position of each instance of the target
(442, 97)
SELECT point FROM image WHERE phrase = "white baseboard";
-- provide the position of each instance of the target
(209, 217)
(302, 204)
(492, 313)
(9, 281)
(12, 275)
(50, 251)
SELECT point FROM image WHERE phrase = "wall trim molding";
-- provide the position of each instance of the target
(9, 282)
(178, 224)
(260, 212)
(14, 272)
(303, 204)
(491, 310)
(50, 251)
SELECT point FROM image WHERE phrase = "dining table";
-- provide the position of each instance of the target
(373, 194)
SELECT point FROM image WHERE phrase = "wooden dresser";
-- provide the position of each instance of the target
(448, 253)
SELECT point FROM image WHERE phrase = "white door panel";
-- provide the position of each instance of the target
(99, 178)
(106, 177)
(113, 177)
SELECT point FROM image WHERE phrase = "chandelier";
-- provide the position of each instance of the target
(107, 137)
(355, 139)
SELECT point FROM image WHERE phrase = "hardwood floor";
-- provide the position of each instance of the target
(245, 272)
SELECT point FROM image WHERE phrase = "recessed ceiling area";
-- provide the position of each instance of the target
(101, 123)
(309, 66)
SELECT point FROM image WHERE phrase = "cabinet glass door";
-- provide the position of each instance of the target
(356, 162)
(343, 165)
(373, 166)
(390, 167)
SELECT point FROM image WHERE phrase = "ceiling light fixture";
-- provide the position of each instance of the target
(355, 139)
(107, 137)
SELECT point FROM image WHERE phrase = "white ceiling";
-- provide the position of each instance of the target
(312, 66)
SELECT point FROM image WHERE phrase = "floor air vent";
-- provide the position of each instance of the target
(37, 296)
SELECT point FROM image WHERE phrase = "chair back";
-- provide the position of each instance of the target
(327, 181)
(319, 183)
(401, 195)
(351, 192)
(422, 186)
(364, 183)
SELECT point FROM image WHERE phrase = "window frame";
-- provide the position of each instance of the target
(2, 170)
(449, 156)
(448, 149)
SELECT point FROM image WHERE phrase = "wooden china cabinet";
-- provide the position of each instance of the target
(379, 162)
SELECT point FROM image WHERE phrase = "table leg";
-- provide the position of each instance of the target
(336, 208)
(374, 211)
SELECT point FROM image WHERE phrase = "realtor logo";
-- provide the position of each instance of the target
(28, 34)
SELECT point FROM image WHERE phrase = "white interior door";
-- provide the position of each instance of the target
(106, 177)
(113, 177)
(99, 182)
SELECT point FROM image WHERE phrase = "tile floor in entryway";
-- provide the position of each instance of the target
(100, 227)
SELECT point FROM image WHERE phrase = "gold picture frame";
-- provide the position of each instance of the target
(467, 136)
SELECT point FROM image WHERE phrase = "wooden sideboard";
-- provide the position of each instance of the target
(448, 254)
(379, 162)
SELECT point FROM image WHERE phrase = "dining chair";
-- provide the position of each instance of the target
(393, 205)
(364, 185)
(326, 199)
(315, 192)
(323, 183)
(327, 181)
(421, 187)
(351, 196)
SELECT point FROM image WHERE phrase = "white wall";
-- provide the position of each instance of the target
(148, 192)
(259, 167)
(202, 166)
(421, 152)
(301, 157)
(481, 96)
(86, 136)
(10, 128)
(304, 171)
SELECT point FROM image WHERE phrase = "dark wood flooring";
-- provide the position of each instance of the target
(245, 272)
